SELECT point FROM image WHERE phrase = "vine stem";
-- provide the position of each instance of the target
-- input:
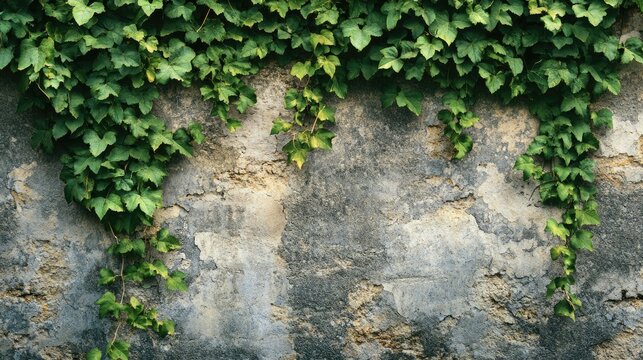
(316, 118)
(204, 19)
(43, 91)
(122, 298)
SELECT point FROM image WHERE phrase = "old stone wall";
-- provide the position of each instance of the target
(379, 249)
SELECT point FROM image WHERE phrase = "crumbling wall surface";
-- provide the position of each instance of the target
(382, 248)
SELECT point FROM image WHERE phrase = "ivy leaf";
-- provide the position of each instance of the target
(97, 145)
(82, 13)
(176, 281)
(515, 64)
(196, 132)
(152, 173)
(390, 59)
(328, 63)
(443, 29)
(325, 37)
(453, 101)
(102, 205)
(582, 239)
(463, 145)
(411, 99)
(164, 328)
(562, 172)
(565, 309)
(477, 15)
(6, 55)
(428, 48)
(149, 6)
(359, 37)
(106, 276)
(584, 169)
(164, 242)
(118, 350)
(302, 69)
(148, 200)
(578, 102)
(321, 139)
(94, 354)
(594, 13)
(182, 10)
(602, 117)
(107, 305)
(297, 153)
(556, 229)
(128, 58)
(587, 217)
(279, 125)
(83, 162)
(178, 65)
(30, 55)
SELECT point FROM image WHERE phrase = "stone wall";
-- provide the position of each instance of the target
(379, 249)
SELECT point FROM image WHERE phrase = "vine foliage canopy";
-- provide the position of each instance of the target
(94, 68)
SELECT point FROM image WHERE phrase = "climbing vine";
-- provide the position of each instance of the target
(94, 67)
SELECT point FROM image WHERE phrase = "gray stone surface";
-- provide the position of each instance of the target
(379, 249)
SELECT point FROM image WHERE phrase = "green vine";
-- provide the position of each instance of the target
(94, 69)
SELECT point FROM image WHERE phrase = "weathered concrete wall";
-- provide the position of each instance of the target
(379, 249)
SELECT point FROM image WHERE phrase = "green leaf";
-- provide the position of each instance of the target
(516, 65)
(411, 99)
(477, 15)
(587, 217)
(164, 242)
(556, 229)
(176, 281)
(149, 6)
(97, 144)
(578, 102)
(106, 276)
(279, 125)
(360, 37)
(102, 205)
(321, 139)
(428, 48)
(297, 153)
(107, 305)
(443, 29)
(94, 354)
(178, 65)
(152, 173)
(602, 117)
(147, 201)
(462, 145)
(302, 69)
(119, 349)
(390, 59)
(164, 328)
(196, 132)
(325, 37)
(328, 64)
(6, 55)
(127, 246)
(453, 101)
(582, 239)
(83, 13)
(594, 13)
(565, 309)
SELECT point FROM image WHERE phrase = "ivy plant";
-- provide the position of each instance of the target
(93, 68)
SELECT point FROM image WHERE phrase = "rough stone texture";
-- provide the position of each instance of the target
(379, 249)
